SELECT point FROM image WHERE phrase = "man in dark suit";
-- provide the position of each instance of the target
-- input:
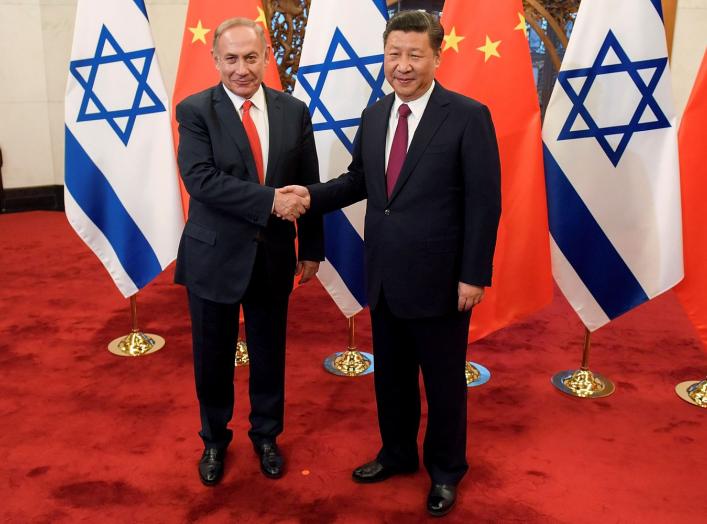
(238, 141)
(427, 160)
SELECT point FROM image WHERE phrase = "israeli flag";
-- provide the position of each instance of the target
(611, 162)
(341, 73)
(121, 193)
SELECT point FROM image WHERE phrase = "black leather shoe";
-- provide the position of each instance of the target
(271, 462)
(211, 466)
(376, 472)
(441, 499)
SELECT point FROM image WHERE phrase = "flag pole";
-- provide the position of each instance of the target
(582, 382)
(694, 392)
(136, 343)
(352, 362)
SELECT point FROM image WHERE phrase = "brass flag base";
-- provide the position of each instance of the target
(694, 392)
(476, 374)
(241, 353)
(583, 383)
(352, 362)
(349, 363)
(136, 344)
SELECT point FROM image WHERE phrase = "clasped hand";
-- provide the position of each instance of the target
(291, 202)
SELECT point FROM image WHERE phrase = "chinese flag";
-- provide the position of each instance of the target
(486, 57)
(692, 291)
(196, 70)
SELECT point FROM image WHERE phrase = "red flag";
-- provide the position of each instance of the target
(486, 56)
(196, 70)
(692, 291)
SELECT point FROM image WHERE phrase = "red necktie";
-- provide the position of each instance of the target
(398, 148)
(252, 133)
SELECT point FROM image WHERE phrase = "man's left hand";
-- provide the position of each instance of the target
(469, 296)
(308, 269)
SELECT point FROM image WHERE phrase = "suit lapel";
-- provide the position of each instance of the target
(275, 125)
(379, 127)
(234, 127)
(435, 114)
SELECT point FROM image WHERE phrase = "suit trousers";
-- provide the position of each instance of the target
(214, 336)
(402, 348)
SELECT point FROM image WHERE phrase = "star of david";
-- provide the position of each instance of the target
(137, 63)
(646, 87)
(315, 92)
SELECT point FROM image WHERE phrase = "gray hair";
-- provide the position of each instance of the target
(239, 22)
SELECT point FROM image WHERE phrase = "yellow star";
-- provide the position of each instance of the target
(261, 17)
(489, 49)
(451, 41)
(521, 25)
(199, 33)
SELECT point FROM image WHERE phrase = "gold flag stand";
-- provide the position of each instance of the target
(582, 382)
(137, 343)
(694, 392)
(476, 374)
(242, 353)
(241, 348)
(352, 362)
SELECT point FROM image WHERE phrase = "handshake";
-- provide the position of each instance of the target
(291, 202)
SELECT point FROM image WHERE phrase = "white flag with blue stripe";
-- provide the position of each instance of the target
(121, 192)
(340, 73)
(611, 162)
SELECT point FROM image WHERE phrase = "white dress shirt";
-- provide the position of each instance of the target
(259, 114)
(417, 108)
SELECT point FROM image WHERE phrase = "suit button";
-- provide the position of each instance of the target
(387, 212)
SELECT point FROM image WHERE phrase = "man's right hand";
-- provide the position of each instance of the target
(291, 202)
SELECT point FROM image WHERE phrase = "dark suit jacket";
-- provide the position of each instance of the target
(439, 225)
(229, 211)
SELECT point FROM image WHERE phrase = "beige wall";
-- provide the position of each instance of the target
(35, 45)
(24, 112)
(689, 45)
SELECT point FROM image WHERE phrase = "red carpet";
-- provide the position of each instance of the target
(91, 437)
